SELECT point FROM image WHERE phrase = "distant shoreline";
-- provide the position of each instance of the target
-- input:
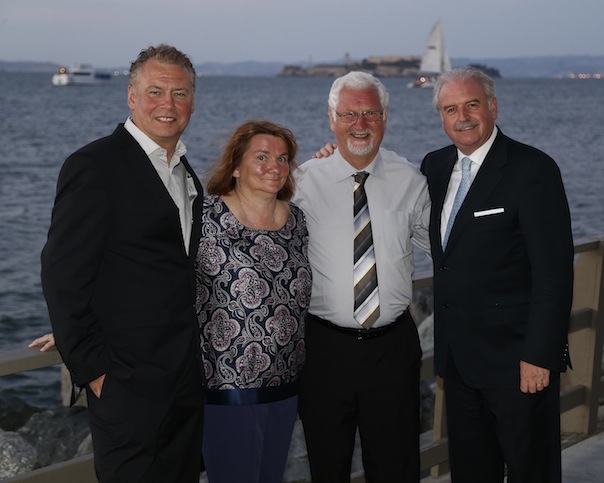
(516, 67)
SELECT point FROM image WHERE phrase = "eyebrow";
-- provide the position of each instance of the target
(160, 88)
(476, 99)
(265, 151)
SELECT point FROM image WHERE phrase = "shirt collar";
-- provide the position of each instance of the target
(344, 170)
(151, 147)
(481, 153)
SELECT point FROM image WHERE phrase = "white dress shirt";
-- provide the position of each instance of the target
(399, 206)
(177, 180)
(477, 158)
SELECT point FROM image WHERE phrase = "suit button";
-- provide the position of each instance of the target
(444, 269)
(446, 306)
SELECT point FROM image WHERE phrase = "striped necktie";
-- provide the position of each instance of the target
(366, 296)
(464, 186)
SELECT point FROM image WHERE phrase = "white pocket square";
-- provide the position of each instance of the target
(492, 211)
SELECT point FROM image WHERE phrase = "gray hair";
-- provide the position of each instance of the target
(461, 74)
(356, 80)
(165, 54)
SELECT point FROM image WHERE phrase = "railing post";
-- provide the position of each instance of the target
(586, 344)
(439, 431)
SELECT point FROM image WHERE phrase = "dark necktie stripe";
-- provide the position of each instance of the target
(363, 242)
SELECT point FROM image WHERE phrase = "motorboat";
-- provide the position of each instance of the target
(435, 60)
(80, 75)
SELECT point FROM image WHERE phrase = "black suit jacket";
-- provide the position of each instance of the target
(503, 286)
(117, 280)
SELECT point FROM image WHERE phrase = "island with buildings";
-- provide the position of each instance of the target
(380, 66)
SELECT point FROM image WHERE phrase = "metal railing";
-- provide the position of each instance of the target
(581, 388)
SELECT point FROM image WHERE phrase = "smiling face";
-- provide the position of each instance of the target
(360, 142)
(467, 116)
(264, 166)
(161, 102)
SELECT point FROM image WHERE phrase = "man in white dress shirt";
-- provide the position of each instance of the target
(362, 376)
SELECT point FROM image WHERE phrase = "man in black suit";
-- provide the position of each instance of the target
(117, 275)
(503, 274)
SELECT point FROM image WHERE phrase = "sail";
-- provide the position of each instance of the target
(435, 59)
(446, 65)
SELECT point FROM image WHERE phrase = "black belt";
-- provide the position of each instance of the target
(361, 333)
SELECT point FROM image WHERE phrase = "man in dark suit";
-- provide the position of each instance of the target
(117, 275)
(502, 290)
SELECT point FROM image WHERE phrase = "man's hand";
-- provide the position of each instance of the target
(96, 386)
(326, 151)
(533, 378)
(47, 341)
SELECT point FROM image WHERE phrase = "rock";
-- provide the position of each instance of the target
(17, 456)
(426, 335)
(422, 303)
(14, 413)
(56, 433)
(85, 447)
(427, 390)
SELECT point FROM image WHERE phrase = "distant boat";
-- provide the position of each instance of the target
(435, 60)
(80, 75)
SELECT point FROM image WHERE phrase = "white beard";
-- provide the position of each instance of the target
(359, 151)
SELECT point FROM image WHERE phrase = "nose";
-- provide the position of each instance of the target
(168, 100)
(361, 122)
(273, 164)
(463, 114)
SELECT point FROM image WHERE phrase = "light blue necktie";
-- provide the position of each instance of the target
(464, 186)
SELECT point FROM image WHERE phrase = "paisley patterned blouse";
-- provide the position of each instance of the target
(253, 289)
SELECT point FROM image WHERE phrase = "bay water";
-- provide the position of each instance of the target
(40, 125)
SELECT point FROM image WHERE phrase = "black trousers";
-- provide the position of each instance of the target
(367, 384)
(491, 429)
(139, 440)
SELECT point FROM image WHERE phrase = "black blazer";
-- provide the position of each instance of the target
(503, 286)
(115, 274)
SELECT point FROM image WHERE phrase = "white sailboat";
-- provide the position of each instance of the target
(435, 59)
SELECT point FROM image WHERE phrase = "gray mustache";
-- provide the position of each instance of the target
(465, 125)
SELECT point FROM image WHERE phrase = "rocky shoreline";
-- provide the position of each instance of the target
(32, 438)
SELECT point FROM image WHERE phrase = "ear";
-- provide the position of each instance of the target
(131, 98)
(493, 108)
(332, 123)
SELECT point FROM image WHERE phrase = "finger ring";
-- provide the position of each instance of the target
(539, 384)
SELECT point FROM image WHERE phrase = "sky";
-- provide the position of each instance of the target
(111, 33)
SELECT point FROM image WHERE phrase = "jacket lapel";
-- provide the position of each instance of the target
(486, 180)
(197, 209)
(438, 190)
(141, 166)
(145, 172)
